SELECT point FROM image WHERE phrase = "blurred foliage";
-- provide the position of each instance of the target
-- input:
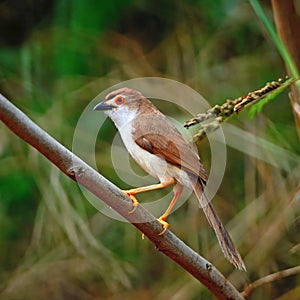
(56, 56)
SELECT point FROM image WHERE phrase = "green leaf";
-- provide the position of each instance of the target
(257, 107)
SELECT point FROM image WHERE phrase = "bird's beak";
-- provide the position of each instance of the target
(103, 106)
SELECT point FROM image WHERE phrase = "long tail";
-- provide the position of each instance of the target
(227, 246)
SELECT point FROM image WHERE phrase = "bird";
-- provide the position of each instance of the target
(161, 150)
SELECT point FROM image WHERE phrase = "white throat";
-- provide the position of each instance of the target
(121, 116)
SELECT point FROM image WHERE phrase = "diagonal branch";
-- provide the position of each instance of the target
(270, 278)
(212, 119)
(80, 172)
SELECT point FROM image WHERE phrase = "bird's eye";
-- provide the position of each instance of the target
(120, 100)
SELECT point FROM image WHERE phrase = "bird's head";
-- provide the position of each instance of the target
(118, 99)
(123, 105)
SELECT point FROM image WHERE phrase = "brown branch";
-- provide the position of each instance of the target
(270, 278)
(288, 27)
(80, 172)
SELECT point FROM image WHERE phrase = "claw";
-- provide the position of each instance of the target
(135, 202)
(164, 224)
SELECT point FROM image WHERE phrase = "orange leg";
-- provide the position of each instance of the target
(178, 188)
(142, 189)
(177, 192)
(148, 188)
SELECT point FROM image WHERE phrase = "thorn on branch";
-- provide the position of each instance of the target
(75, 171)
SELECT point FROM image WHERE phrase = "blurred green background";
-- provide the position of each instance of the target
(55, 56)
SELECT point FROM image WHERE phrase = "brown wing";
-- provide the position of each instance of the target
(156, 134)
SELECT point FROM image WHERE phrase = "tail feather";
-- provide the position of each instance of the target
(227, 246)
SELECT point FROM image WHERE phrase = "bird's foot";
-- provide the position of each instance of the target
(165, 225)
(135, 202)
